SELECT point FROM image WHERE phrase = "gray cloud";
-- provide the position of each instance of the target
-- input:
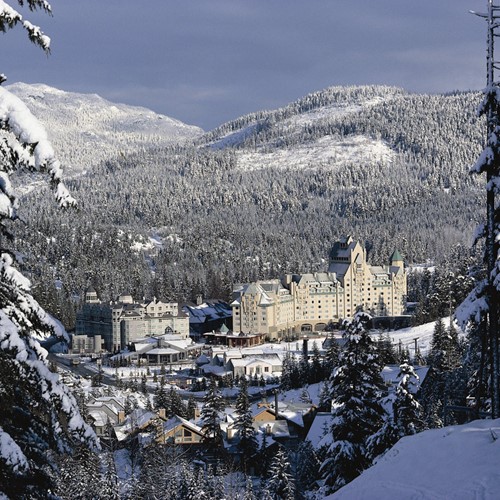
(205, 62)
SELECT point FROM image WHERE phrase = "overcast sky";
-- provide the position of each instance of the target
(207, 61)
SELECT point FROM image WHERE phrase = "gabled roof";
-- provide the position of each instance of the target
(175, 421)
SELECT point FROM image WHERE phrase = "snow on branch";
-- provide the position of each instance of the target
(474, 306)
(480, 232)
(484, 161)
(32, 147)
(9, 17)
(11, 454)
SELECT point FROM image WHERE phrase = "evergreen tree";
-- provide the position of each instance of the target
(77, 475)
(191, 408)
(213, 404)
(331, 356)
(108, 487)
(325, 397)
(177, 406)
(280, 484)
(386, 351)
(247, 444)
(357, 413)
(161, 397)
(249, 493)
(442, 385)
(305, 467)
(316, 368)
(407, 410)
(144, 381)
(406, 418)
(39, 415)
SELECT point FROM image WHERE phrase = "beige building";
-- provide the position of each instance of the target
(308, 302)
(122, 321)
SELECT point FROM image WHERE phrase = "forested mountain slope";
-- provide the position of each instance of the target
(267, 193)
(86, 129)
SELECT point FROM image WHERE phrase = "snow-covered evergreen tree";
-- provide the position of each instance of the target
(406, 418)
(407, 410)
(213, 404)
(247, 444)
(280, 484)
(38, 413)
(305, 467)
(357, 412)
(161, 397)
(108, 486)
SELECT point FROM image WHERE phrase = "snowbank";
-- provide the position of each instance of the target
(453, 463)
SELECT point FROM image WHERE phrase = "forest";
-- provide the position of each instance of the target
(216, 222)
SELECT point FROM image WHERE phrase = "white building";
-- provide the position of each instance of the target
(308, 302)
(122, 321)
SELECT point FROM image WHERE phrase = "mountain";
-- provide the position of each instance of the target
(269, 193)
(457, 463)
(86, 129)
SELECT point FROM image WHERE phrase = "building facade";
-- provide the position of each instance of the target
(122, 321)
(308, 302)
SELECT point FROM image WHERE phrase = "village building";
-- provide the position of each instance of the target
(82, 344)
(105, 411)
(164, 349)
(207, 316)
(124, 320)
(225, 337)
(297, 304)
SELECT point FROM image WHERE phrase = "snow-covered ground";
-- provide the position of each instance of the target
(423, 333)
(453, 463)
(327, 151)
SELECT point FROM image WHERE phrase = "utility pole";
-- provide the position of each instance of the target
(489, 163)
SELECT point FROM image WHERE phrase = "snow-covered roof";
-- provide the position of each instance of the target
(163, 350)
(175, 421)
(137, 419)
(320, 433)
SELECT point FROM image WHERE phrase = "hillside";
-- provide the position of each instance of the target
(86, 129)
(268, 193)
(458, 462)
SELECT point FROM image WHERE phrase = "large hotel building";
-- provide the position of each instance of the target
(307, 302)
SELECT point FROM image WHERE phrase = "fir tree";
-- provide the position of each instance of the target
(108, 487)
(161, 397)
(176, 405)
(305, 467)
(316, 369)
(213, 404)
(247, 444)
(331, 356)
(280, 484)
(191, 408)
(39, 415)
(357, 413)
(325, 397)
(407, 410)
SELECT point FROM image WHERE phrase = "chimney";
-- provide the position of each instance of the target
(162, 413)
(121, 416)
(199, 300)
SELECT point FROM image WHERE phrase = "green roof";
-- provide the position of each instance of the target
(396, 256)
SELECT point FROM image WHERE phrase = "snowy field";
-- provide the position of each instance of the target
(452, 463)
(327, 151)
(423, 333)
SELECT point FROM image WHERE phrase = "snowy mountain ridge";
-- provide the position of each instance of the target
(287, 148)
(86, 129)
